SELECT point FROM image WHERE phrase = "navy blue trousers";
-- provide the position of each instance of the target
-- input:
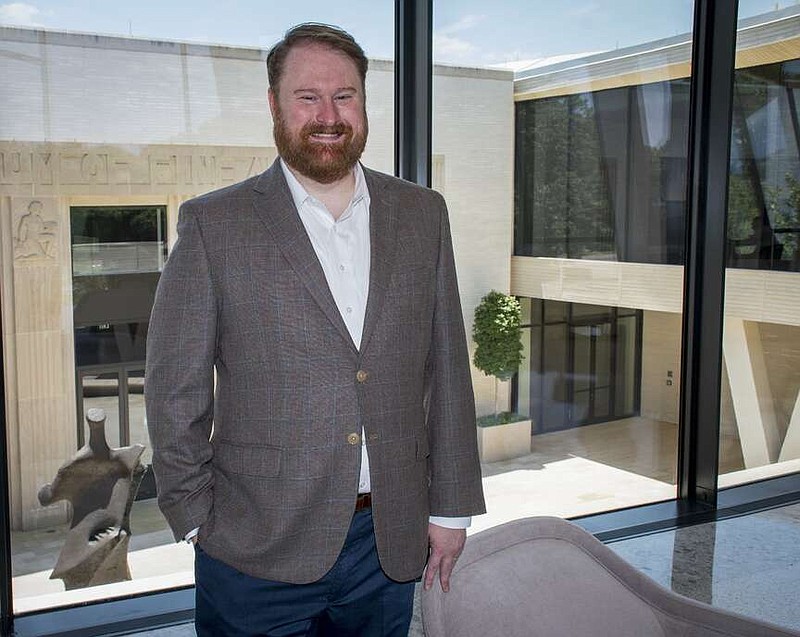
(354, 599)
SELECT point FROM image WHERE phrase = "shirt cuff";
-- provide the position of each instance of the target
(451, 523)
(191, 535)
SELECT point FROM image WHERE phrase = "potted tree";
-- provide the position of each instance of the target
(497, 334)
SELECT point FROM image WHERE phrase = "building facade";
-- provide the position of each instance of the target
(599, 239)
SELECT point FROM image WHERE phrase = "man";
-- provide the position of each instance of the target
(324, 296)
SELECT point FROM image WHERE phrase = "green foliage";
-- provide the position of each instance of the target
(783, 205)
(497, 333)
(783, 211)
(503, 418)
(743, 210)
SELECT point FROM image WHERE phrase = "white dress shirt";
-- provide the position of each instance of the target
(343, 248)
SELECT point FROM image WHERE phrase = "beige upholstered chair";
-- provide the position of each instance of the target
(545, 577)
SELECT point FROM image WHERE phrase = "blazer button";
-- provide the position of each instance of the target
(361, 376)
(353, 438)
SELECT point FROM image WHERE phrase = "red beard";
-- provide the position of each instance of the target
(324, 163)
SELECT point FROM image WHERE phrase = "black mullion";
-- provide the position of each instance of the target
(124, 420)
(792, 102)
(6, 598)
(637, 375)
(539, 375)
(592, 370)
(613, 363)
(570, 367)
(713, 63)
(520, 182)
(568, 218)
(413, 81)
(629, 243)
(79, 404)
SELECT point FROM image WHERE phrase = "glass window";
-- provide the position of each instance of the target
(763, 217)
(760, 401)
(603, 175)
(117, 255)
(555, 312)
(594, 102)
(111, 120)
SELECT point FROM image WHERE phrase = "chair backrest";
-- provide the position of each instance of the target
(545, 577)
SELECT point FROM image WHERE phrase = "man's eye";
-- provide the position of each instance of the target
(307, 98)
(342, 98)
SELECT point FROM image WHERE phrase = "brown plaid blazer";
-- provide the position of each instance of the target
(263, 458)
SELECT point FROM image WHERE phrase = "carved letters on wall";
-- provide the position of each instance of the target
(99, 168)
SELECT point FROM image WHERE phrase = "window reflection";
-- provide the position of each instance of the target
(760, 397)
(602, 175)
(102, 138)
(764, 191)
(117, 255)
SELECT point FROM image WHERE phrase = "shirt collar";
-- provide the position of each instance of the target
(300, 195)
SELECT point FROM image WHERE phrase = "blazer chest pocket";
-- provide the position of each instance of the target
(247, 460)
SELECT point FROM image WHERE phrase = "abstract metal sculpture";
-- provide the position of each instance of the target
(100, 483)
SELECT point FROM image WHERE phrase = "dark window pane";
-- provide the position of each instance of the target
(555, 311)
(764, 184)
(582, 310)
(602, 175)
(554, 378)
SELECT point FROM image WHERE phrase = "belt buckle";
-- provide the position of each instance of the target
(363, 501)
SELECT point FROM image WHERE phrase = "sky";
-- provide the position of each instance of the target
(466, 32)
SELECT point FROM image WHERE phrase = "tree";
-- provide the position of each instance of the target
(497, 334)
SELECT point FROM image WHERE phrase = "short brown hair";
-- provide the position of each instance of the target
(314, 32)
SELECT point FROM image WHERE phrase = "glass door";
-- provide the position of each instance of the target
(591, 374)
(117, 256)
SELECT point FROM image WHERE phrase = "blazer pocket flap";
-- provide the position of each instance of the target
(403, 452)
(248, 460)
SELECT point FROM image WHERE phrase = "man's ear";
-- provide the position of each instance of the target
(273, 101)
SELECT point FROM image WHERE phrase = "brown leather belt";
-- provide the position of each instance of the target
(363, 501)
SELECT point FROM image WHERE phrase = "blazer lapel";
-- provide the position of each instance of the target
(274, 206)
(382, 232)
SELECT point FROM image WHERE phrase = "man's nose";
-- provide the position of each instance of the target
(327, 113)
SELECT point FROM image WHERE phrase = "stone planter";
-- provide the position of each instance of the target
(502, 442)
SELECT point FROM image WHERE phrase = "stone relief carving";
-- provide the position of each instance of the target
(34, 233)
(100, 483)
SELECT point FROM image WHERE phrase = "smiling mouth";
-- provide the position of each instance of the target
(326, 138)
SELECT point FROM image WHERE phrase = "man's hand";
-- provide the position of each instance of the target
(446, 546)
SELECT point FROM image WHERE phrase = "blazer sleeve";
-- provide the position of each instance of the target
(179, 379)
(455, 486)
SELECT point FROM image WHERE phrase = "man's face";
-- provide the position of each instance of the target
(319, 117)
